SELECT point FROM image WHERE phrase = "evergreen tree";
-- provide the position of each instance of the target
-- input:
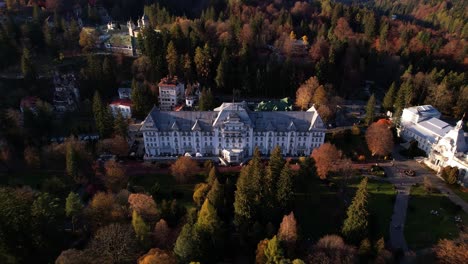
(221, 70)
(49, 38)
(248, 193)
(206, 100)
(369, 25)
(72, 162)
(97, 110)
(120, 125)
(273, 252)
(212, 176)
(216, 195)
(389, 98)
(406, 90)
(208, 220)
(27, 66)
(187, 68)
(285, 193)
(171, 58)
(370, 110)
(203, 62)
(73, 207)
(272, 176)
(399, 105)
(108, 74)
(355, 226)
(188, 244)
(141, 229)
(107, 122)
(141, 100)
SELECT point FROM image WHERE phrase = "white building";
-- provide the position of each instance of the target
(451, 150)
(171, 93)
(422, 123)
(125, 93)
(231, 131)
(123, 106)
(135, 30)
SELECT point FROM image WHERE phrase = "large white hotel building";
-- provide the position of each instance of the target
(231, 131)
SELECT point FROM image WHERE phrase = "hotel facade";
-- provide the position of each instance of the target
(231, 131)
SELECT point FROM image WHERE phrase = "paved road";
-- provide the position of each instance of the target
(403, 185)
(397, 225)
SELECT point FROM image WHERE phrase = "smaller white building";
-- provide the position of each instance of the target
(171, 93)
(422, 123)
(123, 106)
(451, 150)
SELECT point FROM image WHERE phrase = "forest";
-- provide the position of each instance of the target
(58, 204)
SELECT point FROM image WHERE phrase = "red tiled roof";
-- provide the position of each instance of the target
(384, 122)
(124, 102)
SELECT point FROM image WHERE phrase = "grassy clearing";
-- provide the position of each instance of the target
(423, 229)
(31, 178)
(320, 209)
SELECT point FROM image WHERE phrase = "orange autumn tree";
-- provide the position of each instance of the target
(327, 159)
(184, 169)
(379, 139)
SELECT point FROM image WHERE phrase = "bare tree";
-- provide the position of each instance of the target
(332, 249)
(379, 139)
(116, 243)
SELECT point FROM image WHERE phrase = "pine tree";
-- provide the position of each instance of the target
(120, 125)
(271, 209)
(206, 100)
(273, 252)
(399, 105)
(203, 62)
(216, 195)
(221, 70)
(141, 100)
(73, 207)
(370, 110)
(248, 193)
(407, 92)
(188, 244)
(212, 176)
(27, 66)
(171, 58)
(107, 122)
(284, 193)
(187, 68)
(141, 229)
(72, 162)
(389, 98)
(208, 220)
(97, 111)
(355, 226)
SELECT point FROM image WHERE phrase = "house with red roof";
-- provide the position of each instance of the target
(29, 102)
(124, 106)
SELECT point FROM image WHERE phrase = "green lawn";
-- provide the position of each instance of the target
(30, 178)
(351, 145)
(320, 210)
(423, 229)
(169, 189)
